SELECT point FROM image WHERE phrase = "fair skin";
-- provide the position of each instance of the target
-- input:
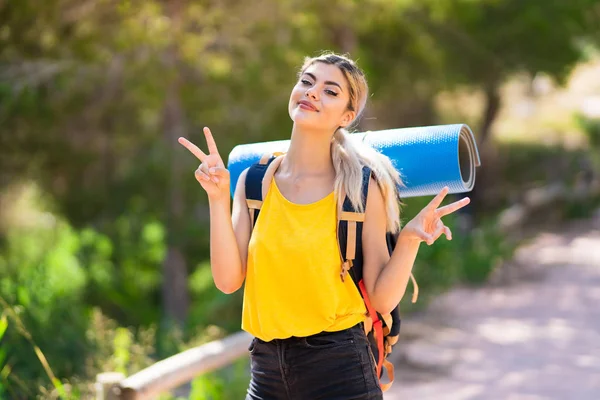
(318, 105)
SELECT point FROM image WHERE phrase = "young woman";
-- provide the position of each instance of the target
(307, 322)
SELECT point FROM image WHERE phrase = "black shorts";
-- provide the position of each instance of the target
(328, 365)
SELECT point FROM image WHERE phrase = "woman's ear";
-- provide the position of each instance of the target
(347, 118)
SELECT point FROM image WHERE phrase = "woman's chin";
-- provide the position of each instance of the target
(304, 118)
(305, 125)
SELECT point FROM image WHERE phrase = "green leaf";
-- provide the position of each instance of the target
(3, 326)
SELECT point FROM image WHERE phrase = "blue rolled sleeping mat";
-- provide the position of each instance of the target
(428, 158)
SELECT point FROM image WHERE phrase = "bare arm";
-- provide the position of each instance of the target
(385, 277)
(229, 237)
(241, 222)
(229, 230)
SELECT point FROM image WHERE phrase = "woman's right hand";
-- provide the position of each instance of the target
(212, 174)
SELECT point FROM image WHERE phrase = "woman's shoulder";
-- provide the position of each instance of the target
(374, 191)
(240, 187)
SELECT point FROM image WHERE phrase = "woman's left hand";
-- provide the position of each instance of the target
(427, 226)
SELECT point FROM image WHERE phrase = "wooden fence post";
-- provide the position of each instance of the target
(172, 372)
(108, 385)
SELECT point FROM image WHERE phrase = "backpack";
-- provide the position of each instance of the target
(382, 330)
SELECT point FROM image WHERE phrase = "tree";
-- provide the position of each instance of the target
(482, 43)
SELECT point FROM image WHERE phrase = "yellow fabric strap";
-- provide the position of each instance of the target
(392, 340)
(254, 204)
(265, 158)
(346, 265)
(387, 318)
(351, 239)
(389, 367)
(352, 216)
(269, 175)
(257, 204)
(415, 287)
(368, 324)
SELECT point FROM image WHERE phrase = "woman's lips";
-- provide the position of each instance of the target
(306, 106)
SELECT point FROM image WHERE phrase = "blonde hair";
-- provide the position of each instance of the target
(349, 159)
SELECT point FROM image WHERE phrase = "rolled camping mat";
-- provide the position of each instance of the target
(428, 158)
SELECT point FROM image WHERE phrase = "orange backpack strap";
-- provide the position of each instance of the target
(383, 328)
(384, 346)
(377, 327)
(349, 240)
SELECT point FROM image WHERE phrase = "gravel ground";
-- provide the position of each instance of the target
(534, 334)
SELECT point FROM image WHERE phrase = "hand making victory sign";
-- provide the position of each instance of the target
(212, 174)
(427, 226)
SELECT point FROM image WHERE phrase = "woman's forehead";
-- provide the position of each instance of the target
(326, 72)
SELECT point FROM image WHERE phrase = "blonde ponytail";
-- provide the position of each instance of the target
(348, 161)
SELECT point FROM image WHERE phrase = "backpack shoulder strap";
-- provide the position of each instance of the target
(350, 223)
(258, 179)
(386, 327)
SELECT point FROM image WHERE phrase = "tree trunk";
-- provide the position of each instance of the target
(485, 178)
(492, 97)
(174, 288)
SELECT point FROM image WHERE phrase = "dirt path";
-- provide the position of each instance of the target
(536, 337)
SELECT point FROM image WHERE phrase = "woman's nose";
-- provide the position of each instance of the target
(311, 93)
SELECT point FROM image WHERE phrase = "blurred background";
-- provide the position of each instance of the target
(104, 257)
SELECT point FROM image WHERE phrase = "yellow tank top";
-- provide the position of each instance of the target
(293, 285)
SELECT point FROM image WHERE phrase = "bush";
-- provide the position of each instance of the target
(228, 383)
(42, 282)
(52, 279)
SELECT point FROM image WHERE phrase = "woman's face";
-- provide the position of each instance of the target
(320, 98)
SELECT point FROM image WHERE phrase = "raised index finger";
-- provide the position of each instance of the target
(210, 141)
(450, 208)
(192, 148)
(437, 200)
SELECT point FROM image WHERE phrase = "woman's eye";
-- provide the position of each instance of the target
(305, 82)
(331, 92)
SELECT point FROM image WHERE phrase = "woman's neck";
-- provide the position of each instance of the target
(309, 154)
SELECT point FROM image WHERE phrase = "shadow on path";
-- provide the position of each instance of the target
(536, 337)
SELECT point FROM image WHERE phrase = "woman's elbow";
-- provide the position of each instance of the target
(386, 304)
(229, 284)
(384, 309)
(228, 287)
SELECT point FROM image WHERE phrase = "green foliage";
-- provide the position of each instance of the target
(4, 367)
(124, 266)
(46, 269)
(226, 384)
(487, 248)
(41, 277)
(591, 127)
(213, 306)
(115, 348)
(480, 47)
